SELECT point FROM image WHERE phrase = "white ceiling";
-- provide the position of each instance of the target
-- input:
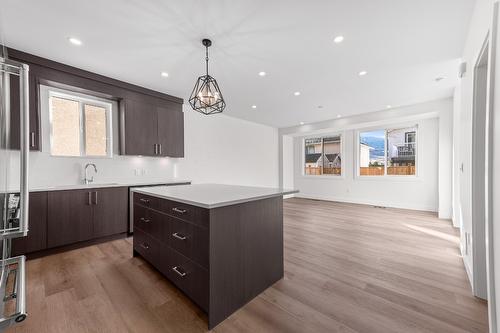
(403, 44)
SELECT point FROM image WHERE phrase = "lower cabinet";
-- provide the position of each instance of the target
(69, 217)
(37, 225)
(110, 207)
(177, 248)
(79, 215)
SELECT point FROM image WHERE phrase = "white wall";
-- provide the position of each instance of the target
(218, 149)
(226, 150)
(478, 33)
(434, 120)
(480, 29)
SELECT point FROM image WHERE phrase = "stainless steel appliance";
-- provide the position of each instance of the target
(14, 153)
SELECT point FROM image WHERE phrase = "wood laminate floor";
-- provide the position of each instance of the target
(348, 268)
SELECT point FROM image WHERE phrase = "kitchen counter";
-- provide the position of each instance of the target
(105, 185)
(222, 245)
(213, 195)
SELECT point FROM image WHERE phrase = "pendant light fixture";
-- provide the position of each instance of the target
(206, 97)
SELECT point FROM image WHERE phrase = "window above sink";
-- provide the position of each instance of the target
(79, 125)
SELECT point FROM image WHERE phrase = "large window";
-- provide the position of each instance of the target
(388, 152)
(322, 155)
(79, 126)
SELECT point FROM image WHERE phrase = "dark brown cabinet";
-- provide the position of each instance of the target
(79, 215)
(151, 130)
(37, 224)
(171, 131)
(110, 207)
(69, 217)
(220, 257)
(15, 114)
(139, 134)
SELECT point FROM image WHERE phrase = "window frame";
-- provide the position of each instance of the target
(384, 128)
(342, 154)
(82, 101)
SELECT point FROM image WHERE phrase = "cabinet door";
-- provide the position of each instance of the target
(15, 114)
(69, 217)
(171, 130)
(139, 130)
(37, 234)
(110, 211)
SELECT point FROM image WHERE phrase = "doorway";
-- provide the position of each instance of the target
(478, 186)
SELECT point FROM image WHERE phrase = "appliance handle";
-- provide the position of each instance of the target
(25, 146)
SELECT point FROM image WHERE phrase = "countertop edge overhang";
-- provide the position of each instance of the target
(232, 194)
(70, 187)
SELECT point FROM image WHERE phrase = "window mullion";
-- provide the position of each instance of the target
(386, 151)
(322, 156)
(83, 148)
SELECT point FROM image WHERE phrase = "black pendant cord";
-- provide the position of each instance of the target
(206, 58)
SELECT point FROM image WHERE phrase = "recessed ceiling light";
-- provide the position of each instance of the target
(297, 93)
(389, 106)
(339, 115)
(75, 41)
(254, 106)
(302, 123)
(164, 74)
(338, 39)
(262, 73)
(362, 73)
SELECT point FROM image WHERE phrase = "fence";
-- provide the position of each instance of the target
(379, 171)
(309, 170)
(364, 171)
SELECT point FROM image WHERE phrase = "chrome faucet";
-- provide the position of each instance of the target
(88, 180)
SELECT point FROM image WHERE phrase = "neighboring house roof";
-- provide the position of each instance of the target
(332, 157)
(312, 158)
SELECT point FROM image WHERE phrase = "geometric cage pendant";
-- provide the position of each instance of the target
(206, 96)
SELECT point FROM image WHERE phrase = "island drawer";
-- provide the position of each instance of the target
(189, 240)
(146, 200)
(194, 214)
(148, 247)
(152, 222)
(191, 278)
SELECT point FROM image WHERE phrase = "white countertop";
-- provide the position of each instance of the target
(212, 195)
(104, 185)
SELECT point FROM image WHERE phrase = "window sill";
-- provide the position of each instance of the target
(341, 177)
(389, 178)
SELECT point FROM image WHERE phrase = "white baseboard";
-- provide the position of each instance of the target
(468, 269)
(368, 202)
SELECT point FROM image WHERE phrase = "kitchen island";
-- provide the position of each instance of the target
(222, 245)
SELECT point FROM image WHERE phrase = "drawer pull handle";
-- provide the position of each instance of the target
(145, 220)
(145, 246)
(178, 236)
(144, 200)
(179, 210)
(176, 269)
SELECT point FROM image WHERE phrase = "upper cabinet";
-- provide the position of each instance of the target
(15, 132)
(151, 129)
(151, 123)
(171, 130)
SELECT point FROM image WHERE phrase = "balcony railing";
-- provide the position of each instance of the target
(405, 149)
